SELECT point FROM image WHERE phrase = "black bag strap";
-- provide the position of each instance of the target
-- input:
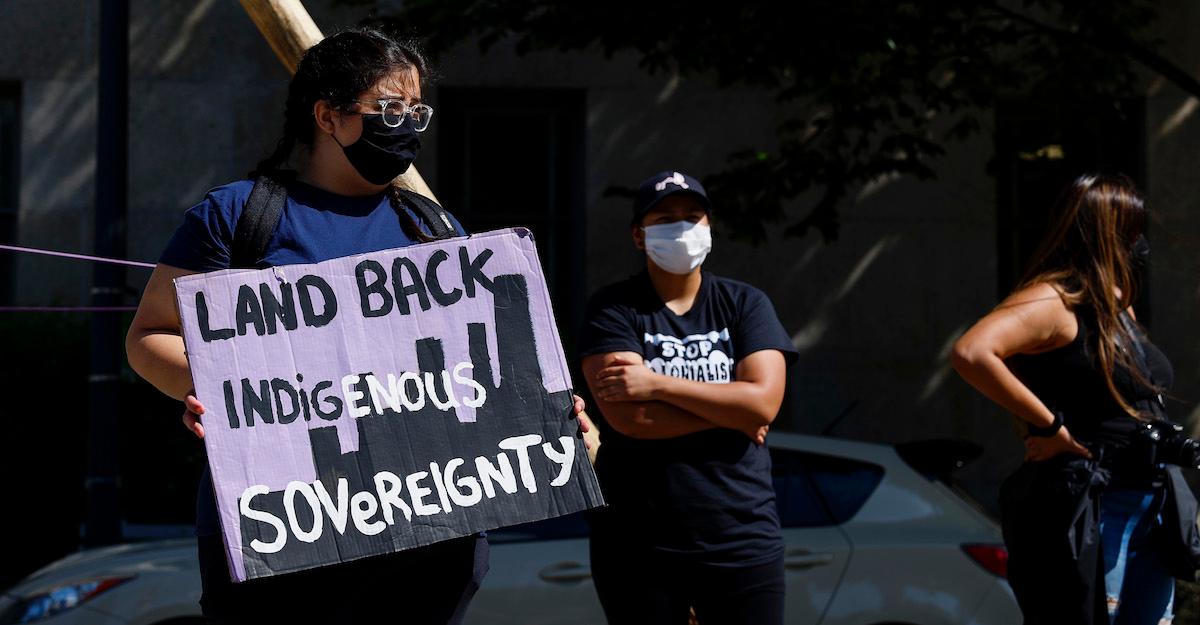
(264, 208)
(259, 219)
(431, 212)
(1134, 336)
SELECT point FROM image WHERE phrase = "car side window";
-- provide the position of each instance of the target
(559, 528)
(814, 490)
(796, 496)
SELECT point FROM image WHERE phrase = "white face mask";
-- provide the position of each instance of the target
(678, 247)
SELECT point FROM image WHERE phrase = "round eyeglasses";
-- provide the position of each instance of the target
(394, 112)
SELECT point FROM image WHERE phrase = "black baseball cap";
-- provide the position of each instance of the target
(653, 189)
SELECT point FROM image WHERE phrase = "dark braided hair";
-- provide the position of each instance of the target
(338, 69)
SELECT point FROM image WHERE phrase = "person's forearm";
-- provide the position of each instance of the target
(990, 376)
(160, 359)
(652, 420)
(736, 405)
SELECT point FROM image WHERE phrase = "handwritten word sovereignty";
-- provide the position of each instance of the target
(421, 493)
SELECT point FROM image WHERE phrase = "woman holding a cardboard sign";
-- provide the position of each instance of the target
(353, 120)
(688, 369)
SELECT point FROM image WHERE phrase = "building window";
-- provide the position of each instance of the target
(10, 148)
(1039, 152)
(515, 157)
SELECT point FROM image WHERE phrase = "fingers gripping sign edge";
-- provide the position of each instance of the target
(191, 415)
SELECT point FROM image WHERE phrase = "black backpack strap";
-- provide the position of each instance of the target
(264, 208)
(257, 223)
(431, 212)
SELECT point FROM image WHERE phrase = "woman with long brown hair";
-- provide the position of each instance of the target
(1090, 508)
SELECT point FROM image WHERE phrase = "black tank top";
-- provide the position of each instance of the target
(1069, 381)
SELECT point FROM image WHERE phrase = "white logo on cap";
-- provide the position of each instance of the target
(675, 179)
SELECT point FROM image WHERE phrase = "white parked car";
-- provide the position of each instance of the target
(873, 535)
(144, 583)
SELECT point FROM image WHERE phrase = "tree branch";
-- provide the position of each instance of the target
(1124, 45)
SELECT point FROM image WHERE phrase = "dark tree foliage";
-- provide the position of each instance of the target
(869, 88)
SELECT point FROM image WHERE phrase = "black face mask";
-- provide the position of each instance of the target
(1141, 250)
(383, 152)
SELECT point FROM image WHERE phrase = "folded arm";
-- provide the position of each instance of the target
(751, 401)
(645, 419)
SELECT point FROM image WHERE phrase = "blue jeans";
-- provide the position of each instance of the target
(1139, 589)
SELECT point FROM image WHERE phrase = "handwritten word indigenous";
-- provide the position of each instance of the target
(381, 291)
(372, 511)
(279, 401)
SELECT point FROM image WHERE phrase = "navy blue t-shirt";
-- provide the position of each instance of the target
(316, 225)
(708, 495)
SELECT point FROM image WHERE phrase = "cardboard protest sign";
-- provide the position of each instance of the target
(381, 402)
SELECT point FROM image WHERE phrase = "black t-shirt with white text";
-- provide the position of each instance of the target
(707, 495)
